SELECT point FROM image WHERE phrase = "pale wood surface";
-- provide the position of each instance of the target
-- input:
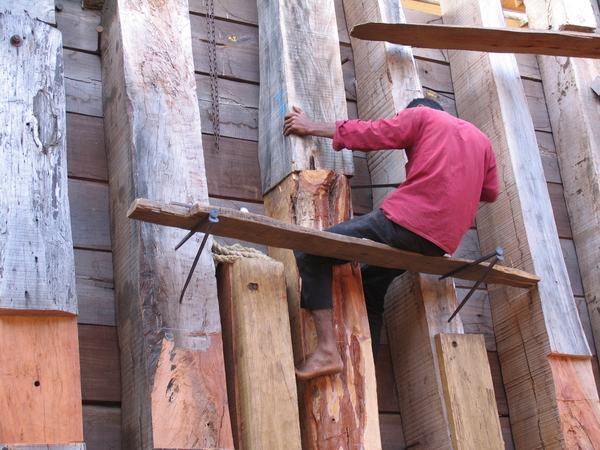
(483, 39)
(469, 392)
(173, 376)
(36, 247)
(335, 411)
(300, 66)
(276, 233)
(575, 15)
(39, 383)
(577, 138)
(417, 308)
(42, 10)
(260, 368)
(521, 218)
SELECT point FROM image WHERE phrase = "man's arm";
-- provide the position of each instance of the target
(298, 123)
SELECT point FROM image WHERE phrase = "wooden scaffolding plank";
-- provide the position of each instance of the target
(173, 375)
(278, 233)
(258, 355)
(469, 392)
(489, 93)
(482, 39)
(38, 303)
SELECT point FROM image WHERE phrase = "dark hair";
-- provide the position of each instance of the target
(425, 102)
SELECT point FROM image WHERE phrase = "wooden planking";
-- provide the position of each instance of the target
(172, 366)
(102, 427)
(482, 39)
(387, 395)
(392, 436)
(260, 363)
(100, 364)
(553, 322)
(575, 15)
(469, 392)
(95, 287)
(89, 215)
(35, 239)
(39, 383)
(42, 10)
(412, 323)
(276, 233)
(78, 26)
(292, 32)
(83, 83)
(329, 405)
(86, 154)
(573, 109)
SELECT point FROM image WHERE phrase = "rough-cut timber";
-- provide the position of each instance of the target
(36, 247)
(335, 411)
(300, 66)
(43, 10)
(258, 353)
(173, 375)
(530, 325)
(386, 81)
(488, 39)
(574, 110)
(469, 392)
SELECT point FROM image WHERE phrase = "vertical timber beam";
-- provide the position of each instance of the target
(40, 388)
(305, 183)
(574, 109)
(173, 376)
(539, 335)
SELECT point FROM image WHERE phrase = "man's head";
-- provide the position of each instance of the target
(425, 102)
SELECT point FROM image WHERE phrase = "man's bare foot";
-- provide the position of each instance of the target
(319, 364)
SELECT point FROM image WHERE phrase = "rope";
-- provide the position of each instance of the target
(229, 253)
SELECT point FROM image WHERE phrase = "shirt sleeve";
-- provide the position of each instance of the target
(489, 191)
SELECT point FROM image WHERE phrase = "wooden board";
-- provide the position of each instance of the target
(498, 40)
(254, 314)
(275, 233)
(469, 392)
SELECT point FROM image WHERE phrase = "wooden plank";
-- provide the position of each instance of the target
(482, 39)
(173, 376)
(36, 248)
(287, 35)
(253, 305)
(39, 383)
(78, 26)
(577, 139)
(42, 10)
(90, 215)
(100, 364)
(328, 404)
(392, 436)
(469, 392)
(275, 233)
(575, 15)
(86, 154)
(83, 83)
(418, 308)
(95, 287)
(522, 218)
(102, 427)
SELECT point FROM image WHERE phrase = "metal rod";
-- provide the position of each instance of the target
(498, 253)
(213, 217)
(213, 214)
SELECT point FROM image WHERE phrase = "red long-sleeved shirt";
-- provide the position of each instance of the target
(451, 168)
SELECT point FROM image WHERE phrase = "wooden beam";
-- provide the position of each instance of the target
(482, 39)
(258, 352)
(300, 57)
(42, 10)
(575, 15)
(38, 303)
(173, 375)
(277, 233)
(469, 392)
(489, 93)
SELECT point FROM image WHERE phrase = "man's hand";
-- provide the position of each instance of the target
(298, 123)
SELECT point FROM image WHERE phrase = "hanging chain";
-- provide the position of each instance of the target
(212, 69)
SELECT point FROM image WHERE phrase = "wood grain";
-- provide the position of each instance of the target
(482, 39)
(276, 233)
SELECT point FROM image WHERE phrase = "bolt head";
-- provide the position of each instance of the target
(16, 40)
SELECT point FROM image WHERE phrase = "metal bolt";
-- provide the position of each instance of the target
(16, 40)
(59, 7)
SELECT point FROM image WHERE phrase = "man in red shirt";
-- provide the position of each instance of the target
(451, 168)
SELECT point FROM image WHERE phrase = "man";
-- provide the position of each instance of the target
(451, 168)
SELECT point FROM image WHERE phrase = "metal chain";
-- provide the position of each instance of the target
(212, 69)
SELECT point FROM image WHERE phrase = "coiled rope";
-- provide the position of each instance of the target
(229, 253)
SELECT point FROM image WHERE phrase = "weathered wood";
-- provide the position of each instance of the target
(335, 411)
(78, 26)
(469, 392)
(83, 83)
(90, 214)
(95, 287)
(277, 233)
(292, 33)
(418, 308)
(39, 386)
(522, 219)
(36, 248)
(86, 154)
(482, 39)
(575, 15)
(260, 364)
(102, 427)
(574, 109)
(42, 10)
(173, 377)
